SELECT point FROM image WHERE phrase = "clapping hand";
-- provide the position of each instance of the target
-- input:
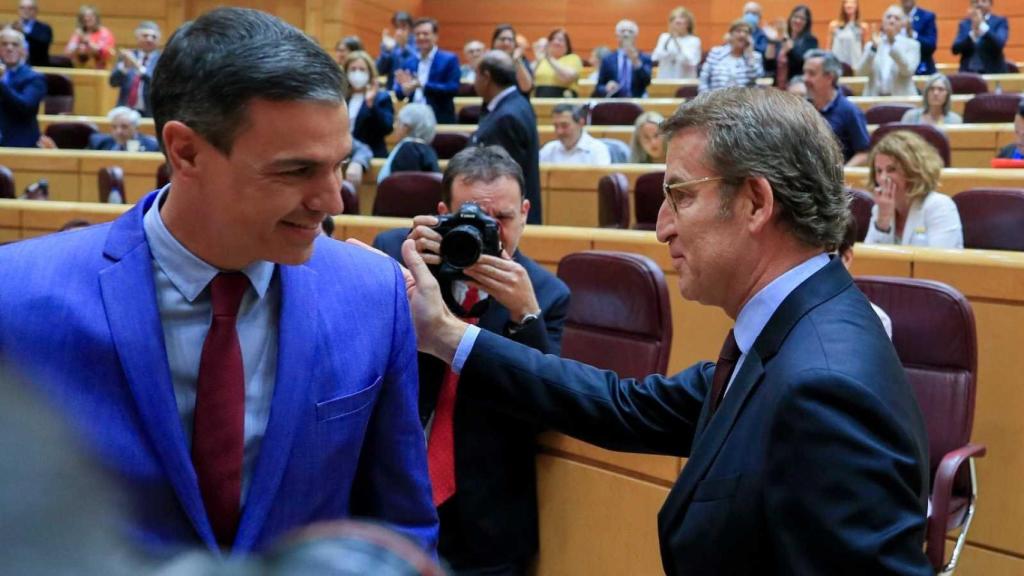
(407, 81)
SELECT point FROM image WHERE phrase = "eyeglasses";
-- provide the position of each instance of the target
(668, 189)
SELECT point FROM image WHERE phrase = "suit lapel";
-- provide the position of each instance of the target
(129, 299)
(298, 337)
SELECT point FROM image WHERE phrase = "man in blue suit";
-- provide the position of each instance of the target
(432, 76)
(980, 40)
(239, 373)
(625, 73)
(134, 70)
(394, 50)
(807, 450)
(921, 27)
(21, 91)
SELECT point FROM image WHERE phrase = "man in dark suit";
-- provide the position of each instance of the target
(489, 524)
(432, 76)
(980, 40)
(134, 70)
(507, 120)
(807, 450)
(38, 34)
(124, 130)
(921, 27)
(396, 49)
(21, 91)
(625, 73)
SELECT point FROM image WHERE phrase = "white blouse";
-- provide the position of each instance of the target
(936, 213)
(677, 57)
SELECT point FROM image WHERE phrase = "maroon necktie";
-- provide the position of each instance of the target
(723, 370)
(219, 427)
(133, 89)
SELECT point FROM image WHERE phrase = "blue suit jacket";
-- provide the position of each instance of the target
(928, 36)
(610, 71)
(343, 439)
(107, 142)
(374, 123)
(19, 103)
(989, 47)
(442, 84)
(815, 463)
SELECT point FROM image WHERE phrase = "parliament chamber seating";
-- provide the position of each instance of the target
(967, 83)
(71, 135)
(886, 113)
(7, 189)
(933, 332)
(349, 198)
(448, 144)
(931, 134)
(991, 108)
(647, 198)
(861, 203)
(613, 201)
(614, 113)
(110, 178)
(408, 194)
(992, 218)
(60, 94)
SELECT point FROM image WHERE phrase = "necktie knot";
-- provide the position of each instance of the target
(730, 350)
(723, 370)
(226, 292)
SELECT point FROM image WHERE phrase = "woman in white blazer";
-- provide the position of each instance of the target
(889, 59)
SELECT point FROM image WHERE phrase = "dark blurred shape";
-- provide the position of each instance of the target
(6, 182)
(74, 224)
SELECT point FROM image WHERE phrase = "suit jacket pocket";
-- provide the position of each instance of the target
(348, 404)
(716, 489)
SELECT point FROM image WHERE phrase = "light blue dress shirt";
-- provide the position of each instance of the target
(181, 279)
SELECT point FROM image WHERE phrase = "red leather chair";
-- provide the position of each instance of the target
(448, 144)
(933, 332)
(861, 203)
(469, 114)
(71, 135)
(1012, 68)
(967, 83)
(993, 218)
(994, 108)
(613, 201)
(619, 317)
(886, 113)
(931, 134)
(60, 94)
(647, 198)
(408, 194)
(349, 198)
(111, 178)
(6, 183)
(60, 61)
(163, 175)
(614, 113)
(686, 91)
(847, 69)
(466, 90)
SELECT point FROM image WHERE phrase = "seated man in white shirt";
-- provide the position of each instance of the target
(573, 144)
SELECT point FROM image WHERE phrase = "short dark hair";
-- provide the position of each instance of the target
(565, 34)
(353, 43)
(807, 15)
(499, 66)
(502, 28)
(421, 21)
(215, 65)
(579, 113)
(481, 164)
(401, 17)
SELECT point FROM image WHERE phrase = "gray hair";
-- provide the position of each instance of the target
(148, 25)
(637, 154)
(420, 120)
(13, 31)
(579, 113)
(938, 79)
(124, 111)
(829, 63)
(780, 137)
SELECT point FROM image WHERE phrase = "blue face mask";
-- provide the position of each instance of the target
(752, 18)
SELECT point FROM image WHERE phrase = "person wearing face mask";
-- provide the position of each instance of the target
(758, 37)
(890, 60)
(370, 110)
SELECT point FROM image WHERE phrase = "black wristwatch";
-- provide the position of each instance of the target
(516, 327)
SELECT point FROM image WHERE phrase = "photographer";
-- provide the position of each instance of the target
(486, 496)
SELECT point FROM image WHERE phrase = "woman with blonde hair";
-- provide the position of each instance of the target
(677, 52)
(936, 103)
(91, 45)
(847, 34)
(904, 171)
(648, 144)
(371, 113)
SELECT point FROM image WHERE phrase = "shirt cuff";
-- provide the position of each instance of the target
(465, 347)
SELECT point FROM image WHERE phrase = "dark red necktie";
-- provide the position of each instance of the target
(441, 444)
(219, 427)
(723, 370)
(133, 90)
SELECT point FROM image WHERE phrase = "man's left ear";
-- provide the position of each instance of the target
(761, 203)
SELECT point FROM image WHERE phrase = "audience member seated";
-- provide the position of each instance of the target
(847, 34)
(472, 52)
(626, 72)
(415, 128)
(890, 59)
(796, 86)
(1015, 151)
(396, 49)
(134, 70)
(846, 254)
(431, 76)
(370, 111)
(38, 34)
(904, 171)
(821, 76)
(936, 102)
(980, 40)
(572, 144)
(798, 40)
(678, 51)
(21, 91)
(124, 135)
(346, 46)
(504, 39)
(647, 145)
(734, 64)
(91, 45)
(921, 27)
(557, 73)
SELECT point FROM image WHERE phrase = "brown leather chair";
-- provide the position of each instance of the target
(614, 113)
(886, 113)
(967, 83)
(934, 335)
(71, 135)
(349, 198)
(408, 194)
(60, 61)
(619, 317)
(1012, 68)
(647, 198)
(6, 183)
(847, 69)
(613, 201)
(448, 144)
(60, 94)
(470, 114)
(686, 92)
(861, 203)
(111, 178)
(931, 134)
(991, 108)
(992, 218)
(163, 175)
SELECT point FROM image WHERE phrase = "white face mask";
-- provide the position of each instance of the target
(358, 78)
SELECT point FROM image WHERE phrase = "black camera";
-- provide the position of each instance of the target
(465, 236)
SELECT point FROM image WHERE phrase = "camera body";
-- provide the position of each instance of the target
(465, 236)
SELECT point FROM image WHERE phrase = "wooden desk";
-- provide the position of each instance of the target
(93, 93)
(73, 173)
(1008, 83)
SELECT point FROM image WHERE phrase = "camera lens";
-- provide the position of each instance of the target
(461, 247)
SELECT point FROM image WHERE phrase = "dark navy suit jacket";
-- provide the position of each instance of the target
(513, 126)
(19, 103)
(928, 36)
(492, 518)
(374, 123)
(989, 47)
(39, 41)
(610, 71)
(815, 463)
(107, 142)
(442, 84)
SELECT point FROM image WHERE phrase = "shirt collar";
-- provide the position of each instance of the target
(430, 55)
(835, 100)
(585, 143)
(501, 96)
(187, 272)
(759, 310)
